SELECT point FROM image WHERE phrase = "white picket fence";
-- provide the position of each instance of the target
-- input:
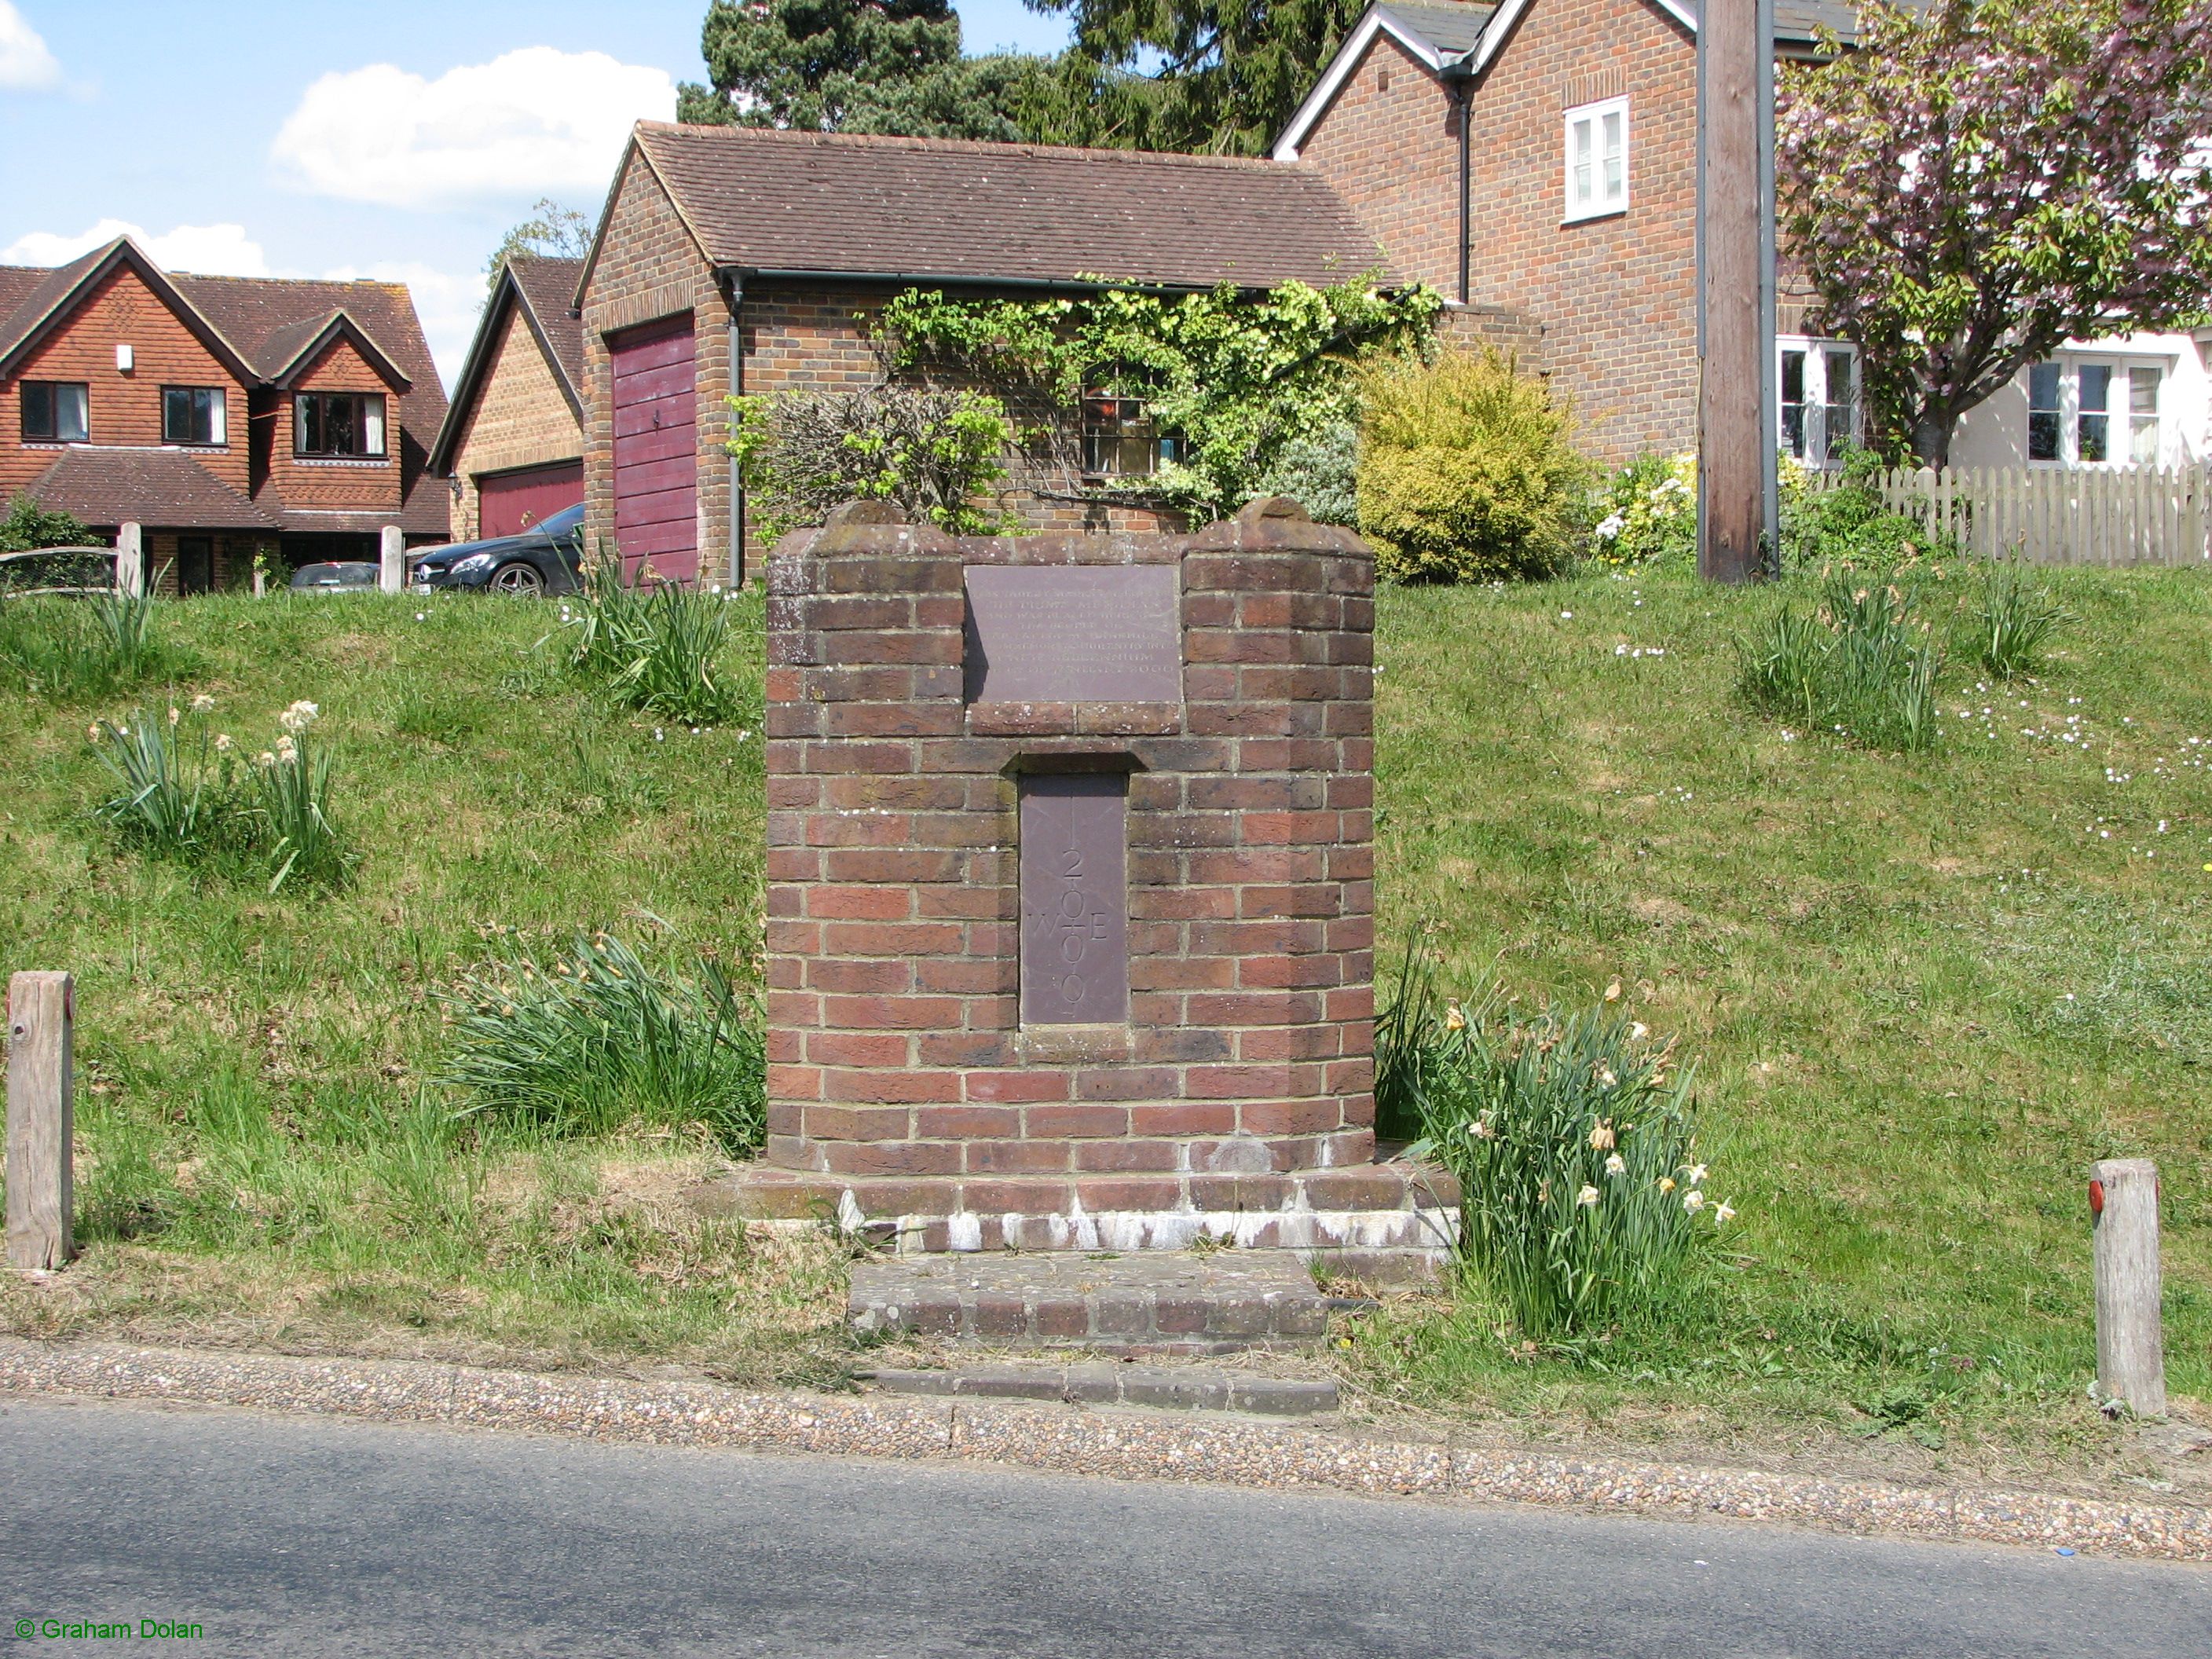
(2058, 515)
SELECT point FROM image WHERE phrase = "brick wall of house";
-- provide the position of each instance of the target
(520, 419)
(649, 268)
(1614, 298)
(1389, 144)
(363, 485)
(896, 1045)
(1617, 295)
(123, 409)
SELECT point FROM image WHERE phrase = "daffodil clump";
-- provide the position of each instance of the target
(587, 1040)
(1583, 1200)
(183, 792)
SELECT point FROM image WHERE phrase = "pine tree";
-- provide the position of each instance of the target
(882, 66)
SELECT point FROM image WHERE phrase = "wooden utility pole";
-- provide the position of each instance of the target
(1735, 221)
(2130, 1344)
(40, 1091)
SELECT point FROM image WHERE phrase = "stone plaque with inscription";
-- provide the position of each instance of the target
(1074, 633)
(1075, 899)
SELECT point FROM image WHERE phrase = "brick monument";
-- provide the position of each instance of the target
(1071, 890)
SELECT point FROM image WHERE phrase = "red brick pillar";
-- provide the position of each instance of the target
(1236, 1095)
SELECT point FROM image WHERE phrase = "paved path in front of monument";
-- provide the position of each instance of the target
(303, 1537)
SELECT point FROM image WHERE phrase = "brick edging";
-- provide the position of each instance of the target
(1123, 1444)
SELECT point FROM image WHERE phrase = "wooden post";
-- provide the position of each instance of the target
(2131, 1347)
(392, 575)
(41, 1093)
(1731, 214)
(129, 561)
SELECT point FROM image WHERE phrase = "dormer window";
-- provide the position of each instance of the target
(194, 415)
(338, 425)
(56, 412)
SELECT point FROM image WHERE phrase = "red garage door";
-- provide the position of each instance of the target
(512, 501)
(656, 449)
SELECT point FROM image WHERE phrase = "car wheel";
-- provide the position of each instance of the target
(522, 580)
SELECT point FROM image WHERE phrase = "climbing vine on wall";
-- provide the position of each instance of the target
(1231, 376)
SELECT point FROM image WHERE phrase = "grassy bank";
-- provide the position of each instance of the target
(1924, 991)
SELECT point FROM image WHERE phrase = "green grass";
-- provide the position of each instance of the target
(1924, 991)
(263, 1148)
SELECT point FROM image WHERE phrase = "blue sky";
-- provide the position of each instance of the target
(399, 140)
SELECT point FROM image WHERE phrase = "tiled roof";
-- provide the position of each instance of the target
(549, 285)
(269, 318)
(163, 488)
(1450, 29)
(930, 208)
(35, 291)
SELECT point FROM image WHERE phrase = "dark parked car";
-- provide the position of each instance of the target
(543, 559)
(347, 576)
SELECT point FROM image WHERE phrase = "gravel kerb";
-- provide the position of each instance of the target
(1081, 1440)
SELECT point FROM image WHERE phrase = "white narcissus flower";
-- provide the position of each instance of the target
(175, 714)
(1587, 1197)
(92, 732)
(1601, 1137)
(222, 743)
(1697, 1173)
(264, 758)
(1693, 1200)
(1638, 1029)
(1482, 1129)
(1616, 1164)
(1455, 1018)
(202, 704)
(1723, 1213)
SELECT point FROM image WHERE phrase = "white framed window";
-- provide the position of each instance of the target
(2089, 411)
(1597, 158)
(1817, 390)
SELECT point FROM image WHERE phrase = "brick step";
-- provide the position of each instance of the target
(1197, 1387)
(1149, 1303)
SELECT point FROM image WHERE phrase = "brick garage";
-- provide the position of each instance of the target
(518, 408)
(774, 248)
(1236, 1095)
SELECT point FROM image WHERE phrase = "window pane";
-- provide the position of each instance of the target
(1793, 403)
(218, 424)
(339, 426)
(372, 424)
(38, 409)
(2096, 388)
(71, 421)
(2043, 418)
(2143, 416)
(176, 416)
(1616, 159)
(2092, 437)
(2043, 387)
(1840, 415)
(1585, 168)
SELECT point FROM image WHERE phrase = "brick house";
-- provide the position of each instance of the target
(226, 416)
(512, 442)
(1580, 148)
(741, 260)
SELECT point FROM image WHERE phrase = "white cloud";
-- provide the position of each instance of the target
(446, 301)
(25, 63)
(212, 250)
(532, 122)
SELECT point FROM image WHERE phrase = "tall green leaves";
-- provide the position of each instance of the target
(653, 645)
(1861, 665)
(585, 1040)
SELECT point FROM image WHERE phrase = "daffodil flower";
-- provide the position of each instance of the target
(1616, 1164)
(1666, 1184)
(1455, 1020)
(1587, 1197)
(202, 704)
(1601, 1137)
(1723, 1213)
(1697, 1173)
(1693, 1200)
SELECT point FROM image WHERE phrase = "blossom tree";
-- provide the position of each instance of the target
(1982, 179)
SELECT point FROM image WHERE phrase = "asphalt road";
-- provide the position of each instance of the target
(297, 1536)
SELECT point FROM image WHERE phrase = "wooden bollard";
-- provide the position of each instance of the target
(41, 1013)
(2130, 1346)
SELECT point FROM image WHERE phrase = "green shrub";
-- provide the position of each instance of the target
(28, 524)
(1466, 472)
(933, 452)
(1319, 472)
(1861, 666)
(653, 645)
(597, 1037)
(1649, 515)
(1581, 1202)
(1845, 526)
(2011, 621)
